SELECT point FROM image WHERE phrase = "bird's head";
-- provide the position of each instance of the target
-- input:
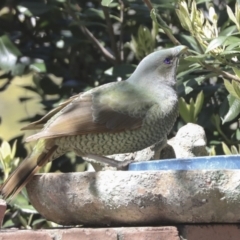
(160, 65)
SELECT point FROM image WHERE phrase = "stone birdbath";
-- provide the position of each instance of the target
(186, 190)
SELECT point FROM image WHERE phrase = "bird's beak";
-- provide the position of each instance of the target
(179, 50)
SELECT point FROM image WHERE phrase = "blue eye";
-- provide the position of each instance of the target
(167, 61)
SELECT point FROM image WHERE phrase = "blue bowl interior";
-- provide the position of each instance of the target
(208, 162)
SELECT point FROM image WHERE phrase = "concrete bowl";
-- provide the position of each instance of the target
(124, 198)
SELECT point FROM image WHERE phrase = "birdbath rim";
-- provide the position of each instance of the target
(190, 163)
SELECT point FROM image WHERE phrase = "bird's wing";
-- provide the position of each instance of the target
(41, 122)
(111, 108)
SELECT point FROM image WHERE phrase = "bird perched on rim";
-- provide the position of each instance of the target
(117, 117)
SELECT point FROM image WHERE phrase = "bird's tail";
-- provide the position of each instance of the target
(41, 154)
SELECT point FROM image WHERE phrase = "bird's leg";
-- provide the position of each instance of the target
(120, 165)
(158, 147)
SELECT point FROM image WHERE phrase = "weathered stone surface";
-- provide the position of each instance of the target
(190, 141)
(132, 233)
(211, 232)
(119, 198)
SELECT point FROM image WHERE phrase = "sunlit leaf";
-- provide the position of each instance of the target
(106, 3)
(234, 150)
(236, 87)
(226, 149)
(184, 110)
(234, 109)
(14, 148)
(9, 55)
(216, 43)
(195, 58)
(236, 71)
(198, 104)
(5, 149)
(231, 14)
(230, 88)
(38, 67)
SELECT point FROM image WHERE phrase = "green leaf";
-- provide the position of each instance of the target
(195, 58)
(232, 40)
(216, 121)
(212, 151)
(226, 149)
(236, 87)
(234, 150)
(229, 53)
(14, 148)
(198, 104)
(231, 15)
(236, 71)
(230, 88)
(34, 7)
(216, 43)
(38, 67)
(234, 109)
(9, 55)
(91, 12)
(228, 31)
(106, 3)
(158, 19)
(192, 110)
(5, 149)
(184, 110)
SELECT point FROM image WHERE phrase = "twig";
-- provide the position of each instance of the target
(121, 30)
(149, 4)
(221, 72)
(107, 55)
(111, 34)
(167, 31)
(97, 44)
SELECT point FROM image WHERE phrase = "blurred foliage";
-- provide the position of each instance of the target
(50, 50)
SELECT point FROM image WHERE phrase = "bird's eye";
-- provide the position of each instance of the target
(167, 60)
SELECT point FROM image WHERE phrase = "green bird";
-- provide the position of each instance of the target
(117, 117)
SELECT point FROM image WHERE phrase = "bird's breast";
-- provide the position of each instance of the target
(154, 128)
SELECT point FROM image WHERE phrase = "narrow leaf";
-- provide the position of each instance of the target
(236, 87)
(106, 3)
(184, 110)
(226, 149)
(236, 71)
(5, 149)
(192, 110)
(231, 15)
(234, 150)
(198, 104)
(230, 88)
(234, 109)
(216, 42)
(14, 148)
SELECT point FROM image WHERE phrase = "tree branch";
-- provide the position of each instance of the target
(121, 29)
(111, 34)
(107, 55)
(221, 72)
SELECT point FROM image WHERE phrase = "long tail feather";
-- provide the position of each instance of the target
(26, 170)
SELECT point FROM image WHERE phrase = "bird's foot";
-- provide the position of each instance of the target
(120, 165)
